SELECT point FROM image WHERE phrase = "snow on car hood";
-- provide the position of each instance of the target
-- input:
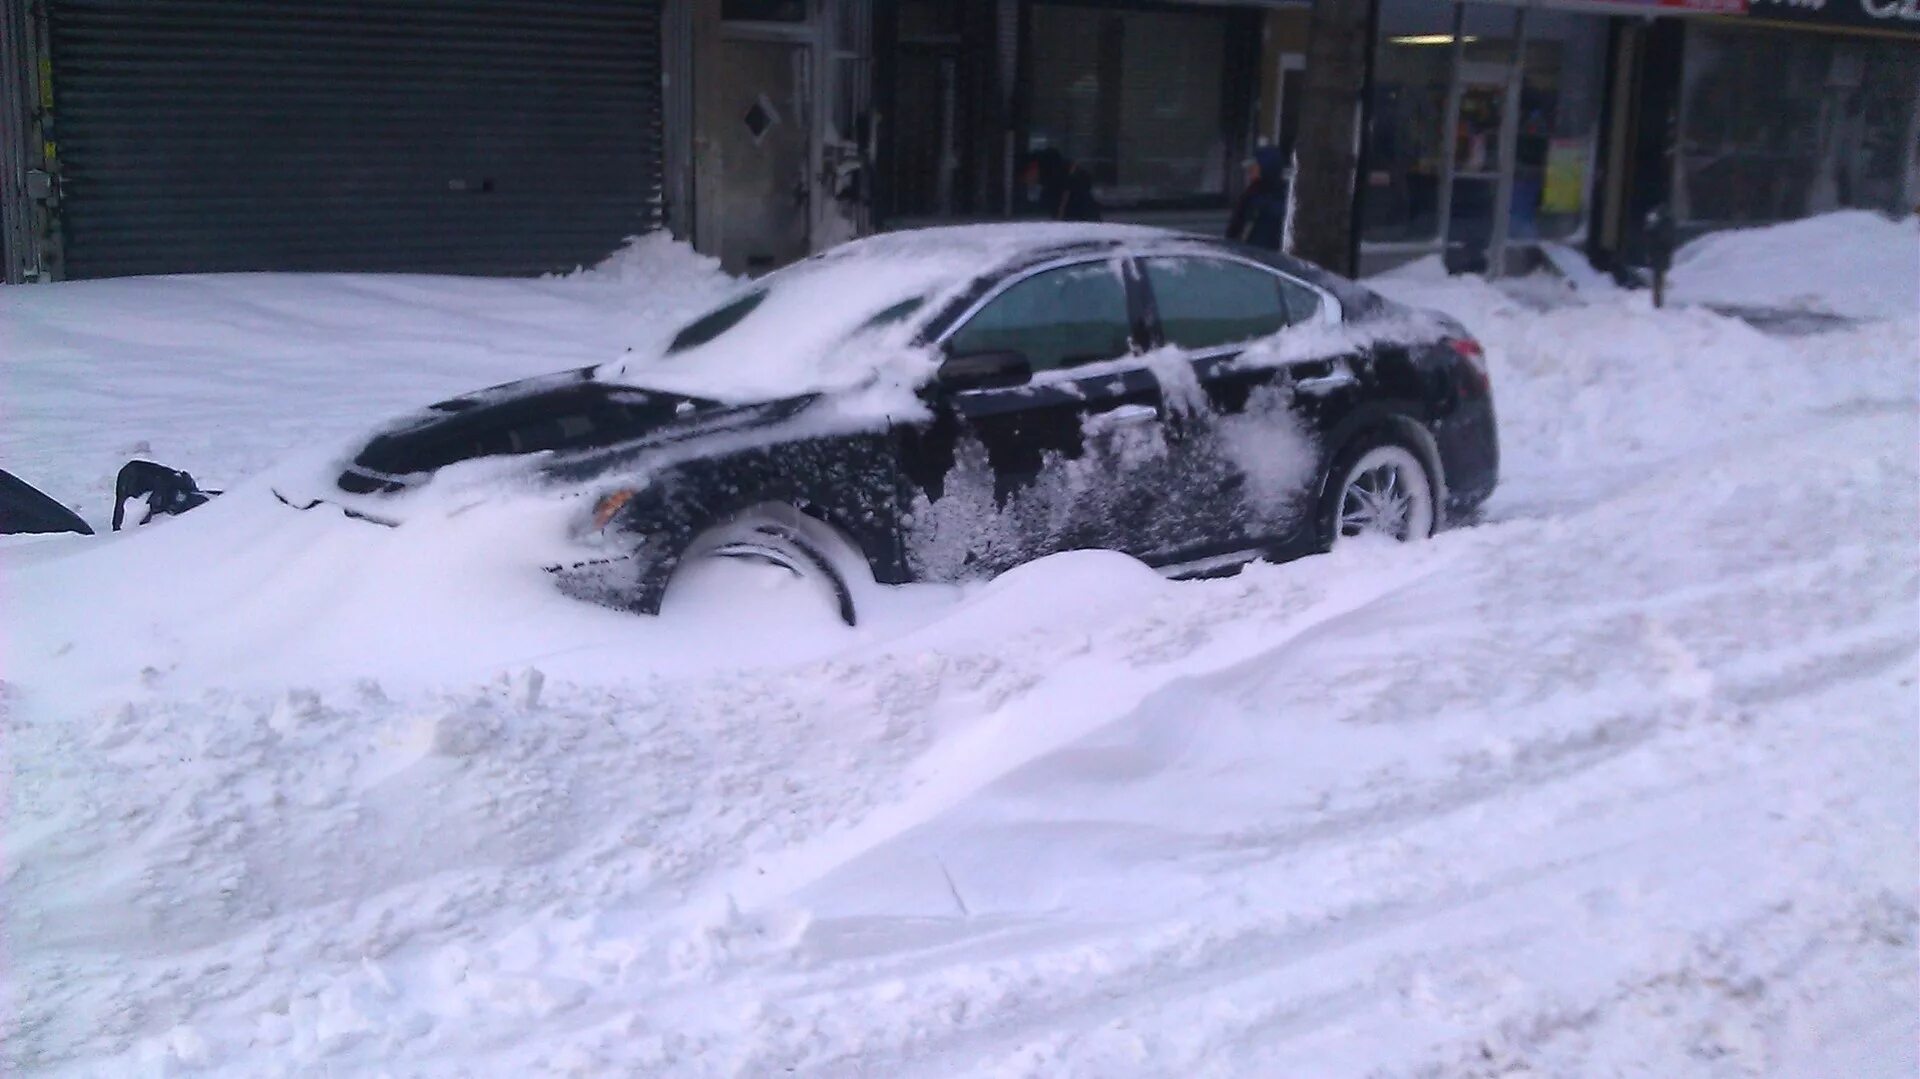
(821, 325)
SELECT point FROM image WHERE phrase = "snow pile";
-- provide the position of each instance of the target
(670, 275)
(1855, 263)
(1597, 386)
(224, 374)
(1620, 782)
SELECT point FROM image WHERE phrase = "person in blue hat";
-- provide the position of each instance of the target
(1260, 216)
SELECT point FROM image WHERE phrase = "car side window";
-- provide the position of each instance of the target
(1302, 302)
(1206, 303)
(1056, 318)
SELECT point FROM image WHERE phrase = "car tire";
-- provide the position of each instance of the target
(1379, 486)
(788, 538)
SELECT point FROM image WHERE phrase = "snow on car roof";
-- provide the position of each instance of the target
(811, 327)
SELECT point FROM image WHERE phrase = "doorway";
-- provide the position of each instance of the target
(781, 139)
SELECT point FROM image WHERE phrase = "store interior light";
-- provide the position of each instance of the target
(1431, 39)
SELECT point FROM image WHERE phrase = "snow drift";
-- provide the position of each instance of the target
(1618, 782)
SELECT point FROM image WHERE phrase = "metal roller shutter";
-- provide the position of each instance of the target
(455, 136)
(19, 257)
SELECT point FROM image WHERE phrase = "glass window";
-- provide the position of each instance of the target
(893, 314)
(1057, 318)
(1780, 125)
(1135, 98)
(1302, 302)
(764, 10)
(716, 322)
(1204, 303)
(1407, 147)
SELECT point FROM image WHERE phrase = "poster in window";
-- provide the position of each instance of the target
(1566, 185)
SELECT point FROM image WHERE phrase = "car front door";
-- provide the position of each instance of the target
(1007, 473)
(1248, 444)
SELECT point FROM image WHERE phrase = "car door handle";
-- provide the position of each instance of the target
(1323, 376)
(1122, 416)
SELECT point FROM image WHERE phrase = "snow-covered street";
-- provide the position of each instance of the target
(1622, 780)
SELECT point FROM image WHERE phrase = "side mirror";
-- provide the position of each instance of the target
(985, 371)
(149, 490)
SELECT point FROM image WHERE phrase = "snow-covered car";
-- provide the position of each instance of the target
(947, 403)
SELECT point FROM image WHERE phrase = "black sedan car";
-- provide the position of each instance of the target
(944, 404)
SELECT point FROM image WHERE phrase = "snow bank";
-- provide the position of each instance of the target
(223, 374)
(1854, 263)
(1597, 387)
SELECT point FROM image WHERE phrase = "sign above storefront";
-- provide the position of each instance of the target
(1670, 7)
(1895, 16)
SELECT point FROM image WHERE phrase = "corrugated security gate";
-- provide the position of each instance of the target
(457, 136)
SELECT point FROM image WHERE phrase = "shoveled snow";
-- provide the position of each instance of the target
(1621, 782)
(1855, 262)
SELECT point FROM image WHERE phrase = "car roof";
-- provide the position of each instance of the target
(1000, 249)
(795, 335)
(1007, 248)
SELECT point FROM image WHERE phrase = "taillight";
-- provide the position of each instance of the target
(1469, 350)
(1475, 366)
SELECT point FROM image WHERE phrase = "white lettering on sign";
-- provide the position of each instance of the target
(1903, 10)
(1892, 9)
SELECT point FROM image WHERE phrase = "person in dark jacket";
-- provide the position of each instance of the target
(1066, 188)
(1260, 216)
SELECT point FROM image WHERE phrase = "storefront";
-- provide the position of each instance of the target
(167, 136)
(1778, 123)
(1495, 128)
(1156, 102)
(1447, 77)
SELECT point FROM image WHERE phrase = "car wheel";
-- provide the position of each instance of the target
(788, 540)
(1379, 489)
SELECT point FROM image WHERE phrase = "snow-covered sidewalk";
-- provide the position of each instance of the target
(1624, 781)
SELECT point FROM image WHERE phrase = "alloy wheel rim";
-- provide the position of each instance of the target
(1379, 502)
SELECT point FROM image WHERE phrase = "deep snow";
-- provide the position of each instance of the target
(1622, 782)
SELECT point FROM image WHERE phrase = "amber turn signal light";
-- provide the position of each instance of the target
(609, 504)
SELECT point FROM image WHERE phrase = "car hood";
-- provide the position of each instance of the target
(565, 414)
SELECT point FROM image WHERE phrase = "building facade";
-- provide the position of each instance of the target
(464, 136)
(807, 123)
(1582, 117)
(530, 136)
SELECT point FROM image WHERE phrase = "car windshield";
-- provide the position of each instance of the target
(818, 325)
(716, 322)
(729, 314)
(891, 315)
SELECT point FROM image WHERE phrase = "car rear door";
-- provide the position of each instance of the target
(1270, 378)
(1064, 460)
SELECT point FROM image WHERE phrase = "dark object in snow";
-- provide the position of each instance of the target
(1660, 243)
(25, 509)
(1188, 401)
(157, 490)
(1464, 257)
